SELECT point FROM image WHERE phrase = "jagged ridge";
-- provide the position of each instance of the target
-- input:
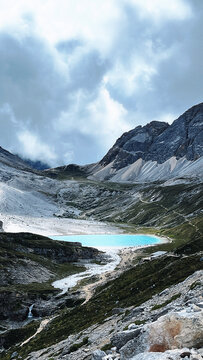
(159, 141)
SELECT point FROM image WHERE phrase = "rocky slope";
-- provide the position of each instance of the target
(157, 151)
(161, 317)
(64, 201)
(14, 161)
(29, 263)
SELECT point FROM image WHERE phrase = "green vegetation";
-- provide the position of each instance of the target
(106, 347)
(85, 281)
(69, 172)
(195, 284)
(17, 336)
(77, 346)
(159, 306)
(140, 283)
(136, 322)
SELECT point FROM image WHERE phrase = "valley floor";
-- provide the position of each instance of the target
(50, 226)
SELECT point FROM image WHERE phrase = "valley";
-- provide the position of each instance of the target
(108, 314)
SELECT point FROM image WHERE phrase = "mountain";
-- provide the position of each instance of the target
(38, 165)
(157, 151)
(66, 200)
(14, 161)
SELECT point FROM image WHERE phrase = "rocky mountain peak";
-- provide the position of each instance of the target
(159, 141)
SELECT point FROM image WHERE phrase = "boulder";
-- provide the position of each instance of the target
(174, 330)
(121, 338)
(14, 355)
(98, 355)
(117, 311)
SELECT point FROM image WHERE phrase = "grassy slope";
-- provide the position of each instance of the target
(121, 203)
(140, 283)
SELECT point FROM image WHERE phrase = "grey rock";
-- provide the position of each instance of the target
(132, 326)
(15, 354)
(157, 336)
(13, 160)
(109, 352)
(164, 292)
(116, 311)
(161, 313)
(168, 355)
(200, 305)
(134, 312)
(98, 355)
(129, 349)
(200, 351)
(120, 339)
(159, 141)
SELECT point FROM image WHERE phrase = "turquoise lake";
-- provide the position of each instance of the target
(118, 240)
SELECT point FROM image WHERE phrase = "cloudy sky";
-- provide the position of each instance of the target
(76, 74)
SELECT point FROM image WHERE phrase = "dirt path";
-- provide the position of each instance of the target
(126, 255)
(40, 328)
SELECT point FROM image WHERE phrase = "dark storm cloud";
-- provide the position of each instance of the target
(69, 101)
(176, 83)
(34, 92)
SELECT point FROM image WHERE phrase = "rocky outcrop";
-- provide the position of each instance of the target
(13, 160)
(159, 141)
(156, 151)
(134, 145)
(172, 331)
(98, 336)
(98, 355)
(12, 307)
(59, 251)
(120, 339)
(27, 263)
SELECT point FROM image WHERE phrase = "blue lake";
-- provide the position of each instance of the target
(118, 240)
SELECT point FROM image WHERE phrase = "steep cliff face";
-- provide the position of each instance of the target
(157, 151)
(182, 138)
(159, 141)
(28, 264)
(134, 144)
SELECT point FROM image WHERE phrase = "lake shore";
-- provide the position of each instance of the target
(121, 258)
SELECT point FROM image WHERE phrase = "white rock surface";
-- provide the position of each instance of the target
(148, 171)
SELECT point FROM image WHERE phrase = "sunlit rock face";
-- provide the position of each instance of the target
(176, 330)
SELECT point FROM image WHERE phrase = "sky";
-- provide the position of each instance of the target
(75, 75)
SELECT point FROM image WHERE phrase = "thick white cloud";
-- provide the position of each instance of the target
(159, 10)
(74, 75)
(34, 148)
